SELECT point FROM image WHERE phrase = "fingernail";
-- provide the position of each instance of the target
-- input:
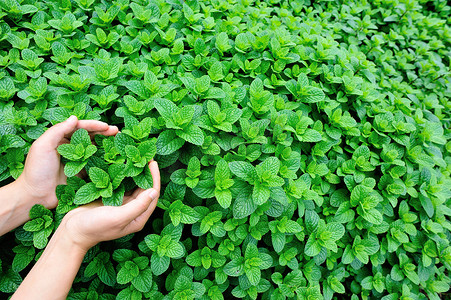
(153, 194)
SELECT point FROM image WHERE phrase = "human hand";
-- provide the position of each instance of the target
(43, 169)
(92, 223)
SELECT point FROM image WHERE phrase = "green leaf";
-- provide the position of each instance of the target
(311, 136)
(168, 142)
(224, 198)
(143, 282)
(34, 225)
(278, 241)
(40, 238)
(293, 227)
(67, 151)
(99, 177)
(312, 247)
(58, 49)
(373, 216)
(116, 199)
(124, 275)
(358, 194)
(194, 259)
(311, 220)
(86, 194)
(21, 261)
(165, 107)
(175, 250)
(337, 286)
(242, 207)
(243, 170)
(107, 274)
(72, 168)
(216, 71)
(427, 205)
(337, 230)
(254, 275)
(235, 267)
(10, 281)
(192, 134)
(80, 136)
(215, 93)
(189, 215)
(159, 264)
(304, 146)
(260, 194)
(312, 95)
(440, 286)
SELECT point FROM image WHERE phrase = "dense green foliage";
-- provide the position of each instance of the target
(304, 147)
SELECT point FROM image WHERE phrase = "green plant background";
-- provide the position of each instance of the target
(304, 146)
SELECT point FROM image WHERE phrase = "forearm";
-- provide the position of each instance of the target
(15, 206)
(53, 274)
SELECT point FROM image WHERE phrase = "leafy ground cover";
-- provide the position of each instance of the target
(304, 146)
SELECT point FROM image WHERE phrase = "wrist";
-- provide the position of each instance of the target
(15, 206)
(72, 236)
(65, 241)
(53, 274)
(28, 194)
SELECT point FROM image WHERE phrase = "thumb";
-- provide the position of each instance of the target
(131, 210)
(53, 136)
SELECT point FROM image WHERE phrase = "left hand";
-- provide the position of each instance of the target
(43, 169)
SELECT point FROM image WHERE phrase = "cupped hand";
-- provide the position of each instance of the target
(92, 223)
(43, 169)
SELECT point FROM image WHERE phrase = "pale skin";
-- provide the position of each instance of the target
(82, 228)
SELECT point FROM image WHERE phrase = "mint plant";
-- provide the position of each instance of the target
(103, 268)
(77, 152)
(101, 185)
(134, 269)
(304, 146)
(163, 247)
(41, 225)
(122, 157)
(263, 177)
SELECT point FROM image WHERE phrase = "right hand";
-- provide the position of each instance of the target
(92, 223)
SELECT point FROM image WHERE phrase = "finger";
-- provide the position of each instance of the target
(155, 171)
(138, 223)
(90, 205)
(131, 210)
(112, 130)
(53, 136)
(136, 192)
(93, 126)
(132, 195)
